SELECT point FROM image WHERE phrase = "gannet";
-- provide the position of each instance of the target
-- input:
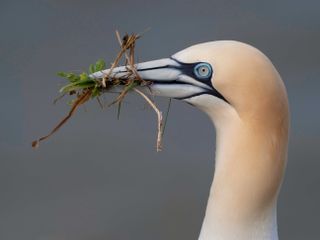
(240, 90)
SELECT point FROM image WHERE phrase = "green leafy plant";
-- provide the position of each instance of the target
(84, 87)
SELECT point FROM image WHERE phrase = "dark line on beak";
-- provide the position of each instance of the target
(214, 93)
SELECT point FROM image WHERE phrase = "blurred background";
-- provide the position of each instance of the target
(100, 178)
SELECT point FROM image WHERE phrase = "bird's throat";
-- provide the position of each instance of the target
(249, 167)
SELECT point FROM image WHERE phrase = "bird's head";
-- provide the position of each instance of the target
(217, 77)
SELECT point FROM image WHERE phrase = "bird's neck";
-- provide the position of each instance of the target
(249, 167)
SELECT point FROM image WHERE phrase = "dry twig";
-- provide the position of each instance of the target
(86, 87)
(159, 115)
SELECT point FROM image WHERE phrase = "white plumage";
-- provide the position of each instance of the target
(243, 94)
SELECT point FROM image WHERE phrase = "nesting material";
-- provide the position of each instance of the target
(84, 87)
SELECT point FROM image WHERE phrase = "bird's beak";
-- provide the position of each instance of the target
(168, 76)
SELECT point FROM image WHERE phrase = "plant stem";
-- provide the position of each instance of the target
(159, 115)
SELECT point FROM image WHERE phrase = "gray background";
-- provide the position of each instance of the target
(99, 178)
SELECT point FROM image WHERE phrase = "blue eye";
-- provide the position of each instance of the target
(202, 70)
